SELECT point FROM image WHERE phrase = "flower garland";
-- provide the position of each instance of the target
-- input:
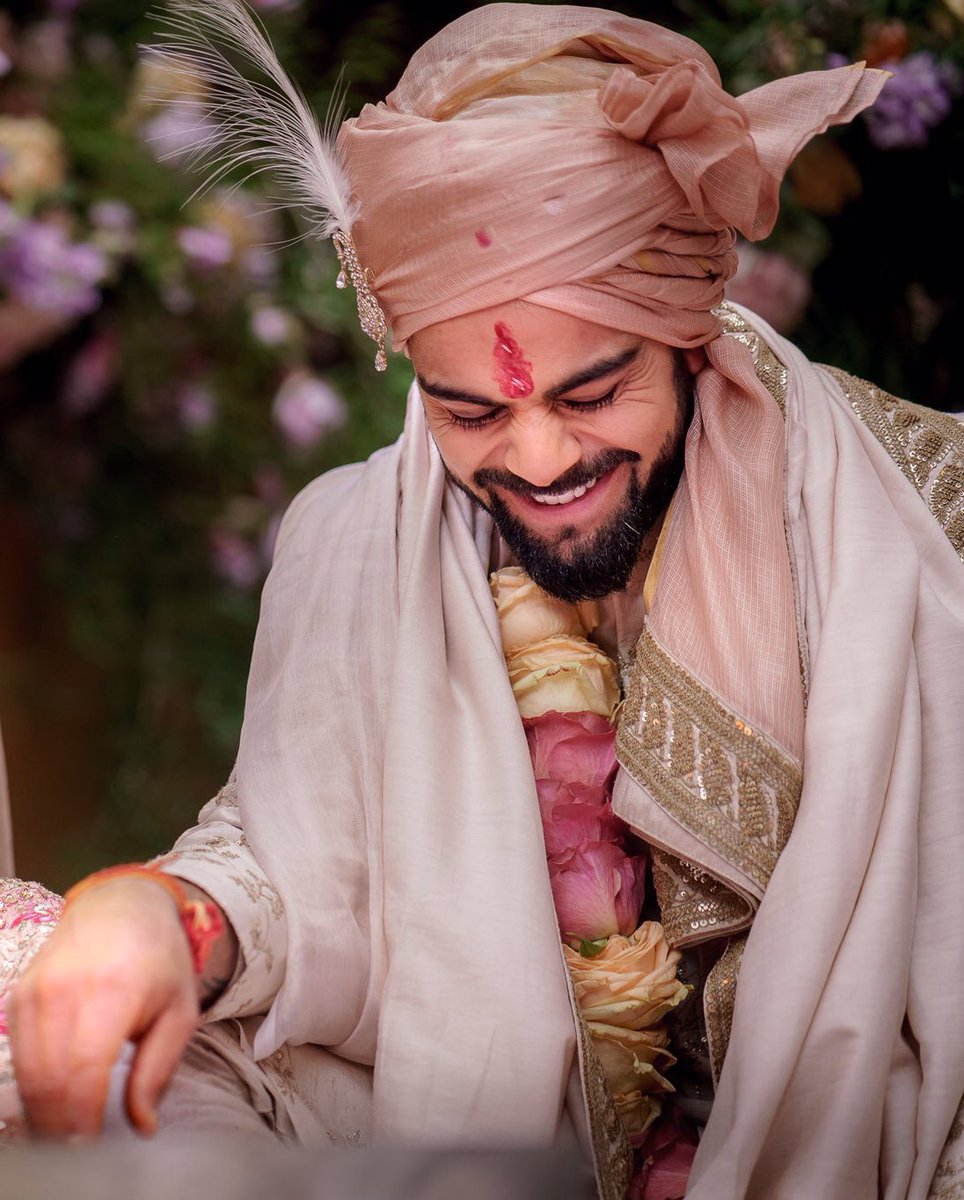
(623, 973)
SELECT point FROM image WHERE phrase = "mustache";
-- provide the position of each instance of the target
(578, 474)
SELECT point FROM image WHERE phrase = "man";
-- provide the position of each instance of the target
(543, 213)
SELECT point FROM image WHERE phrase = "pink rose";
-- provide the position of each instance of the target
(598, 890)
(578, 747)
(574, 814)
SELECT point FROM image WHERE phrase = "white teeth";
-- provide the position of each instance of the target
(566, 497)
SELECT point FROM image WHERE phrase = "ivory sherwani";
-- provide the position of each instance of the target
(379, 850)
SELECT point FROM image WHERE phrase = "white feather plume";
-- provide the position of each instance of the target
(263, 124)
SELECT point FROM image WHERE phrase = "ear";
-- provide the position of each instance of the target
(695, 359)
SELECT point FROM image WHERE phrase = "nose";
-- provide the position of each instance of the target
(541, 447)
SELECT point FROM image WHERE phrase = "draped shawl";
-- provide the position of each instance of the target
(385, 789)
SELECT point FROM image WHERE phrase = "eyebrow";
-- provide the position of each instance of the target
(589, 375)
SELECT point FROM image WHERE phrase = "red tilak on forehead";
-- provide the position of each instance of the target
(513, 373)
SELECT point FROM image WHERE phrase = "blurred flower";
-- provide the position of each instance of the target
(270, 325)
(206, 248)
(197, 407)
(31, 156)
(249, 227)
(884, 41)
(306, 408)
(44, 50)
(43, 269)
(915, 100)
(4, 64)
(91, 372)
(771, 285)
(114, 224)
(235, 558)
(156, 82)
(114, 216)
(823, 177)
(176, 130)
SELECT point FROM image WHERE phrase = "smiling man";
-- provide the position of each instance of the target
(543, 215)
(574, 449)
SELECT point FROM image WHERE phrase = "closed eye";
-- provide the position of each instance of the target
(591, 405)
(486, 418)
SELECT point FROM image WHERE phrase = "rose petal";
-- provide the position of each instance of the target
(578, 747)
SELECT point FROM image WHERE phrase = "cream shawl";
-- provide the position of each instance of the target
(385, 789)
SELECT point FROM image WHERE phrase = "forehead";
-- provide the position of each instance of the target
(554, 343)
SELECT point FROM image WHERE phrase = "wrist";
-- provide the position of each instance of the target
(201, 919)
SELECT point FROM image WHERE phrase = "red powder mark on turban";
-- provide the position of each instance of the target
(484, 238)
(513, 372)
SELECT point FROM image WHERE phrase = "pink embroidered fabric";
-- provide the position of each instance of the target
(28, 914)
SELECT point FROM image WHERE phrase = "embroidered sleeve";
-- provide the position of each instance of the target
(928, 447)
(215, 856)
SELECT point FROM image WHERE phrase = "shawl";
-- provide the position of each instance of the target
(386, 790)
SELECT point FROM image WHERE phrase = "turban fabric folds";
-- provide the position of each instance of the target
(587, 161)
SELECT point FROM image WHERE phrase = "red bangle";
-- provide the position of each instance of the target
(201, 920)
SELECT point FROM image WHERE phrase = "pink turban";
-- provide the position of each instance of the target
(587, 161)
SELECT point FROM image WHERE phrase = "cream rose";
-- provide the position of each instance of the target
(633, 1060)
(637, 1111)
(563, 674)
(632, 982)
(528, 615)
(31, 156)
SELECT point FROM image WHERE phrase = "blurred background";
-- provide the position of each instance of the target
(170, 377)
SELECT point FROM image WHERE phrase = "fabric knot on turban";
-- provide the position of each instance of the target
(580, 159)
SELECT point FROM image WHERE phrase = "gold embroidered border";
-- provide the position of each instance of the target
(948, 1181)
(723, 781)
(770, 371)
(612, 1153)
(719, 997)
(693, 905)
(928, 447)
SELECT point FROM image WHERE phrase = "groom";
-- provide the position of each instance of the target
(366, 905)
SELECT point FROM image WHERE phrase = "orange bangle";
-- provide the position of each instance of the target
(201, 920)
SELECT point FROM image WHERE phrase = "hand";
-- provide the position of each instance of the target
(117, 968)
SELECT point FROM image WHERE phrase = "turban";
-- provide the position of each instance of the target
(586, 161)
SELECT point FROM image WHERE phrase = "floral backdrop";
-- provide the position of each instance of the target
(174, 366)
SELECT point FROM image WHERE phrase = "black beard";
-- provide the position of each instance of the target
(604, 562)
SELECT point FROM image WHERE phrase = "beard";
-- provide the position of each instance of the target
(575, 565)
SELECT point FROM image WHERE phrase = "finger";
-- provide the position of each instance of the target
(104, 1022)
(41, 1018)
(155, 1062)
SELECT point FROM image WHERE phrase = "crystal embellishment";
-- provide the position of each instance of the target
(370, 314)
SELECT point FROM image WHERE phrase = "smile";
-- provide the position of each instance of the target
(565, 497)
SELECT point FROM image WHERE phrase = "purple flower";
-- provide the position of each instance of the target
(43, 269)
(915, 100)
(112, 216)
(176, 130)
(206, 248)
(306, 408)
(234, 558)
(270, 325)
(197, 407)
